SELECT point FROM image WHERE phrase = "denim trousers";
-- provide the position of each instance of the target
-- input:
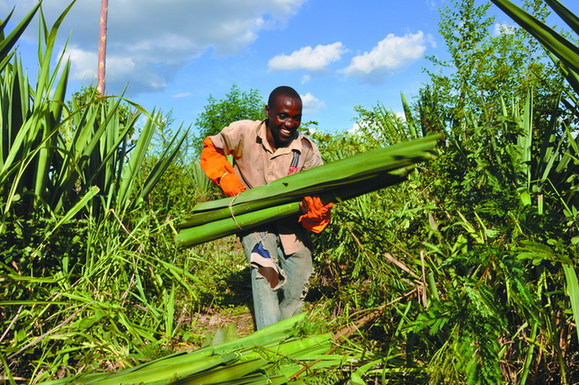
(273, 305)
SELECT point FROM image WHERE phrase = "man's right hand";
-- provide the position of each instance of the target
(219, 170)
(231, 184)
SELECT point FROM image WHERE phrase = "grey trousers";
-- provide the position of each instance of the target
(287, 297)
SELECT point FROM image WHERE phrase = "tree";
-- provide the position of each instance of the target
(236, 105)
(480, 68)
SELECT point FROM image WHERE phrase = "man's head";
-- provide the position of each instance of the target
(284, 115)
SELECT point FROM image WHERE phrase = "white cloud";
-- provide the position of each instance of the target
(311, 104)
(355, 130)
(432, 4)
(182, 95)
(308, 58)
(388, 57)
(150, 40)
(84, 64)
(503, 28)
(400, 115)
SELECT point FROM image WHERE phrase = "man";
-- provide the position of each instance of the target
(264, 151)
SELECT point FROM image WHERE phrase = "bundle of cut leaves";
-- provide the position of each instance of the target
(333, 182)
(277, 354)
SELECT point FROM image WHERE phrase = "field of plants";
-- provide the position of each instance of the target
(464, 273)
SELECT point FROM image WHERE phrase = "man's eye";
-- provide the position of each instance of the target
(283, 116)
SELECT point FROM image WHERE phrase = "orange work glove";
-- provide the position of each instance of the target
(317, 215)
(231, 184)
(219, 170)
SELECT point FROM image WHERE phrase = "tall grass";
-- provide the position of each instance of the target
(87, 275)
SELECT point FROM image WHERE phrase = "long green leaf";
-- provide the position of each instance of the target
(167, 374)
(45, 58)
(268, 356)
(217, 376)
(564, 13)
(8, 43)
(572, 291)
(21, 165)
(196, 232)
(335, 181)
(136, 160)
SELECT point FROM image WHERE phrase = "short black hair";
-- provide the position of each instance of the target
(282, 90)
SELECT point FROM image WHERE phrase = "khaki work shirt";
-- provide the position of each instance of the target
(257, 164)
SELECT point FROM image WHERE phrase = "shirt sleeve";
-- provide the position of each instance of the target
(312, 156)
(230, 139)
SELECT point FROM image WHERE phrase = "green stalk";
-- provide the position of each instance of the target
(228, 226)
(197, 232)
(568, 17)
(228, 361)
(529, 355)
(358, 169)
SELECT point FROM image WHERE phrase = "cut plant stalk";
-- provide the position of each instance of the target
(254, 359)
(339, 173)
(336, 181)
(216, 229)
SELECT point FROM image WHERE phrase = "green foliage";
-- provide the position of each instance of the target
(380, 126)
(96, 290)
(176, 192)
(454, 238)
(83, 272)
(217, 114)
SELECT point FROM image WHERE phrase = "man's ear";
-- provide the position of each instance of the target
(266, 110)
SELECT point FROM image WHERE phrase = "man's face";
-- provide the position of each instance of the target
(284, 118)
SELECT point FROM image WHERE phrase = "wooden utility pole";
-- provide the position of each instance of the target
(102, 47)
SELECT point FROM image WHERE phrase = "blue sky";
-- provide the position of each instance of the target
(174, 54)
